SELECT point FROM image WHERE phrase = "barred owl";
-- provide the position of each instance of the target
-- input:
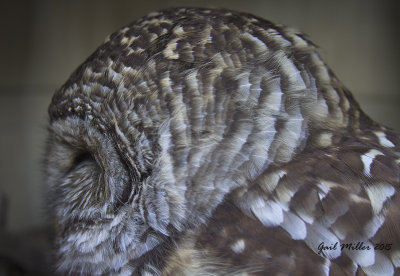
(213, 142)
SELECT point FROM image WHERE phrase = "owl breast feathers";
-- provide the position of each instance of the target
(212, 142)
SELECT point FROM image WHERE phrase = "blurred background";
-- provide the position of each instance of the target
(44, 41)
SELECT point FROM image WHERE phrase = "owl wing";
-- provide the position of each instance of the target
(330, 211)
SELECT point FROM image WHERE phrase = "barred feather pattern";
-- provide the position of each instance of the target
(212, 142)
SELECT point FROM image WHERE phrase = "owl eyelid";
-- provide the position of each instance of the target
(81, 157)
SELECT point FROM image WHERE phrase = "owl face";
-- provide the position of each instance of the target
(90, 191)
(171, 116)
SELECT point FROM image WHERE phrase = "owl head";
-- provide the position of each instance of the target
(170, 114)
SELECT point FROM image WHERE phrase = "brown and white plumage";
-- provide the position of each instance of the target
(212, 142)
